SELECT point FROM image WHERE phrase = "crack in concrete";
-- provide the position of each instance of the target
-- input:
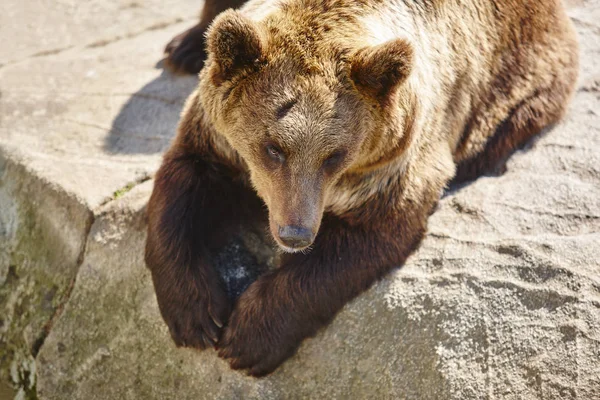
(580, 22)
(509, 283)
(590, 87)
(51, 52)
(561, 215)
(47, 329)
(116, 132)
(128, 187)
(131, 35)
(39, 342)
(99, 43)
(88, 124)
(159, 98)
(168, 101)
(565, 146)
(42, 53)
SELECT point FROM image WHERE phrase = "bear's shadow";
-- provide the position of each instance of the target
(148, 120)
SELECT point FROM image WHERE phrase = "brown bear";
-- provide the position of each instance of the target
(347, 119)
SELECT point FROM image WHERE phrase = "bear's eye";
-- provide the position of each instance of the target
(334, 159)
(275, 153)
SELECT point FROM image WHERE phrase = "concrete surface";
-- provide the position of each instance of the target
(502, 301)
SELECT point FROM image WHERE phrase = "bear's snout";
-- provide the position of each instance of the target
(296, 237)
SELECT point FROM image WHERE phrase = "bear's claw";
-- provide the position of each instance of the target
(196, 320)
(249, 341)
(185, 52)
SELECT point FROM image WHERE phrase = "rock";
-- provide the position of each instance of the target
(502, 300)
(42, 237)
(79, 126)
(46, 29)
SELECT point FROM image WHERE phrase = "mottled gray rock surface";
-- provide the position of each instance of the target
(501, 301)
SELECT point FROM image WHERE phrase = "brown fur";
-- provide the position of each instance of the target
(347, 118)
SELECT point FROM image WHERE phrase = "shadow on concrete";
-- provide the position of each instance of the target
(148, 121)
(500, 169)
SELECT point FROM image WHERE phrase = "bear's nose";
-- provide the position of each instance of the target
(295, 236)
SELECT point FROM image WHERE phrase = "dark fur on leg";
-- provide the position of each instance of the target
(186, 52)
(193, 198)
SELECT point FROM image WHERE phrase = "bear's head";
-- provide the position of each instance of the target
(301, 110)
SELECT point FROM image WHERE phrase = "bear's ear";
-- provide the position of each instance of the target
(378, 70)
(234, 42)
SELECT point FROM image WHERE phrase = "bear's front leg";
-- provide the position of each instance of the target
(291, 303)
(185, 53)
(195, 205)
